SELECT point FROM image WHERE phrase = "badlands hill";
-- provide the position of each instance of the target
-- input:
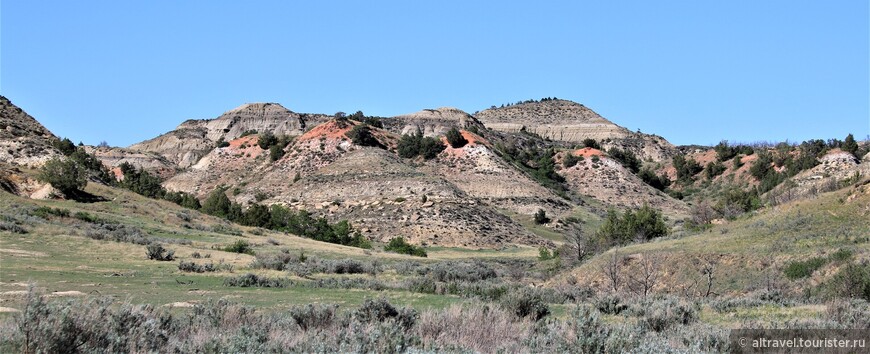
(568, 121)
(193, 139)
(23, 141)
(476, 195)
(466, 196)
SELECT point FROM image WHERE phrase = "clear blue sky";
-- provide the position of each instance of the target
(691, 71)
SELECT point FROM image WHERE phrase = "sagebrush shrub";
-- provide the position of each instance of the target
(525, 303)
(155, 251)
(665, 313)
(313, 316)
(254, 281)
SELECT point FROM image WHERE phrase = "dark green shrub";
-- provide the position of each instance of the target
(841, 255)
(591, 143)
(850, 146)
(240, 246)
(541, 217)
(217, 203)
(658, 182)
(686, 168)
(525, 303)
(266, 140)
(643, 224)
(713, 169)
(156, 252)
(143, 183)
(626, 158)
(361, 135)
(86, 217)
(802, 269)
(64, 174)
(455, 138)
(65, 146)
(852, 281)
(414, 145)
(276, 152)
(399, 245)
(254, 281)
(570, 160)
(44, 212)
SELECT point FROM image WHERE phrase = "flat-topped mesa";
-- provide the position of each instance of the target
(432, 122)
(554, 119)
(568, 121)
(192, 139)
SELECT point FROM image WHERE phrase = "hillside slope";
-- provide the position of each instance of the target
(750, 253)
(23, 140)
(192, 139)
(567, 121)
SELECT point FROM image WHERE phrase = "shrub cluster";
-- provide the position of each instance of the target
(44, 212)
(525, 303)
(658, 182)
(64, 174)
(626, 158)
(455, 138)
(725, 152)
(192, 267)
(361, 135)
(380, 310)
(411, 146)
(686, 169)
(240, 246)
(399, 245)
(254, 281)
(99, 325)
(643, 224)
(155, 251)
(570, 160)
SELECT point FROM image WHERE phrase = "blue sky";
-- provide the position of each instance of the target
(695, 72)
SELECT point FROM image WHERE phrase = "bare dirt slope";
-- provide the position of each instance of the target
(609, 182)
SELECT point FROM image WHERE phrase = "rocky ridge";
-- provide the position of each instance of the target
(23, 140)
(568, 121)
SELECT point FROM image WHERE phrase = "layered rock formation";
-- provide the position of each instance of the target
(23, 140)
(193, 139)
(432, 122)
(562, 120)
